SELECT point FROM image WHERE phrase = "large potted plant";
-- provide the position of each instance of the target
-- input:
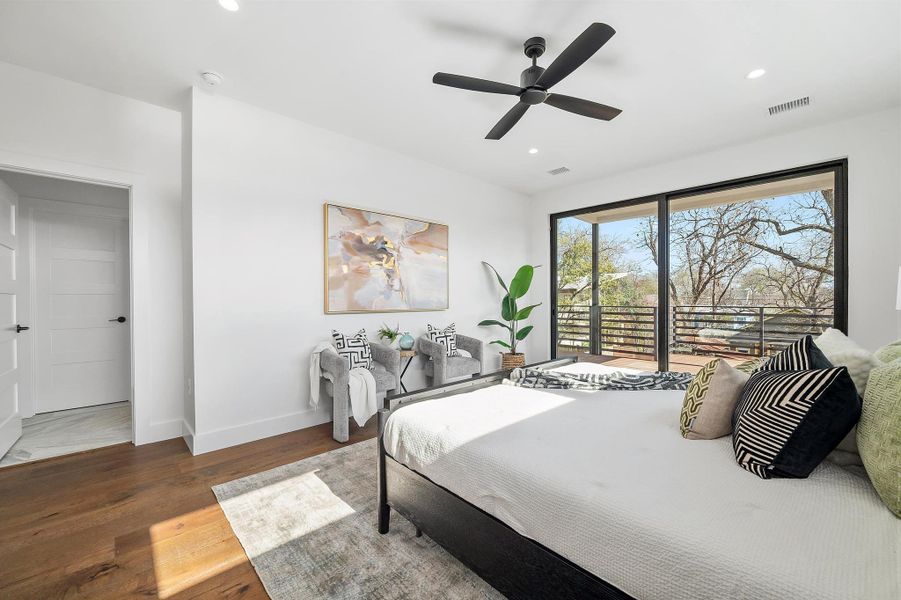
(512, 315)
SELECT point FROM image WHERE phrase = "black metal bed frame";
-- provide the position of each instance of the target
(518, 567)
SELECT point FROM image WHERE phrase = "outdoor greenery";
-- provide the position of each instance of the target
(732, 267)
(750, 253)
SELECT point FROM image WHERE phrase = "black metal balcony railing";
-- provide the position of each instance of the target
(701, 330)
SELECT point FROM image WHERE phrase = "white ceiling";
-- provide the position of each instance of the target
(676, 68)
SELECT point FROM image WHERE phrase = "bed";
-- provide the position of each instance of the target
(568, 494)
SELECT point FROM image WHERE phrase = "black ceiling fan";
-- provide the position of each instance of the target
(535, 81)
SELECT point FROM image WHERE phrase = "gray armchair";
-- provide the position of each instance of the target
(385, 371)
(439, 367)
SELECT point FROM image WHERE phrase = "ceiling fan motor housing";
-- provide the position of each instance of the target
(528, 77)
(534, 47)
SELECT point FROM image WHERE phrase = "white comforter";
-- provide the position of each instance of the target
(605, 480)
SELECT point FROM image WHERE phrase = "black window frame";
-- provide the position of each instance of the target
(839, 169)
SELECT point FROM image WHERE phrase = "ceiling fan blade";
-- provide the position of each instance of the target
(507, 121)
(475, 84)
(586, 108)
(581, 49)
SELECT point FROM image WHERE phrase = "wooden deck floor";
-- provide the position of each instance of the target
(677, 362)
(135, 522)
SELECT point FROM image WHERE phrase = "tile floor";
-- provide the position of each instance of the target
(67, 431)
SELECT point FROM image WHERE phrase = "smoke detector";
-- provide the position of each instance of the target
(211, 78)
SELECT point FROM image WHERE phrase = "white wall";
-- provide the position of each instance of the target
(254, 207)
(259, 182)
(872, 144)
(187, 176)
(64, 123)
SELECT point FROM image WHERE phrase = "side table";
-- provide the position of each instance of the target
(409, 355)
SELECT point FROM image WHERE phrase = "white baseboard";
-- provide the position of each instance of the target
(188, 434)
(256, 430)
(162, 430)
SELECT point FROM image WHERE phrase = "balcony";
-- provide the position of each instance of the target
(626, 336)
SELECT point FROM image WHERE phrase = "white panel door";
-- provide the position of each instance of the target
(10, 419)
(82, 352)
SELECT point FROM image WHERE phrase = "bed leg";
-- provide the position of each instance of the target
(384, 519)
(384, 508)
(418, 532)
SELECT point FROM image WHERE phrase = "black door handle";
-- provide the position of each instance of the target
(117, 320)
(20, 328)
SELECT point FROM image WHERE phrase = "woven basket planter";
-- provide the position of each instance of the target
(510, 360)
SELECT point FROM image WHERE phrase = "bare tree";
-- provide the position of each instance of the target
(707, 251)
(800, 234)
(790, 246)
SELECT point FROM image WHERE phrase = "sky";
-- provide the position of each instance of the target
(627, 230)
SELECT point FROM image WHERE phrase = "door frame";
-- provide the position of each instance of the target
(838, 167)
(26, 280)
(139, 198)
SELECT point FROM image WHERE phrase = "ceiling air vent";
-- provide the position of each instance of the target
(790, 105)
(559, 171)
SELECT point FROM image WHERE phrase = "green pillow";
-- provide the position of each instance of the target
(879, 433)
(889, 352)
(749, 366)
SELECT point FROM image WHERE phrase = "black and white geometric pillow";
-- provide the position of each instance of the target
(447, 337)
(786, 422)
(354, 348)
(802, 355)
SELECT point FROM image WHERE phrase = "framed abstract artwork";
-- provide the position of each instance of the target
(376, 262)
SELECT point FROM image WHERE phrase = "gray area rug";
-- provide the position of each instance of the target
(309, 529)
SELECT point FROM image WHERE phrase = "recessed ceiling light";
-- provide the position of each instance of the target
(229, 5)
(533, 150)
(756, 74)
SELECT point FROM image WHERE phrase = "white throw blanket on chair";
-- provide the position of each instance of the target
(360, 383)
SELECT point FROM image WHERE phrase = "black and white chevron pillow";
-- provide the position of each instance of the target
(447, 337)
(786, 422)
(802, 355)
(354, 348)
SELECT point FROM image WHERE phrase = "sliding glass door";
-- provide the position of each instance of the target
(752, 268)
(736, 270)
(606, 285)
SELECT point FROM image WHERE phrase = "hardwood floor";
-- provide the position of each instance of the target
(128, 522)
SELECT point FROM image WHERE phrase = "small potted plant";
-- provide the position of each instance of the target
(512, 315)
(386, 333)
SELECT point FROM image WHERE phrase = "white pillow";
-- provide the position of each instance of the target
(447, 337)
(843, 352)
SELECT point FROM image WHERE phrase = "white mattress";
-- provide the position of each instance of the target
(605, 480)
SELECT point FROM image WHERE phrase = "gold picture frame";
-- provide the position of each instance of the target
(376, 262)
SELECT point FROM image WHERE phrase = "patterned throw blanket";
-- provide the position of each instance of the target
(555, 380)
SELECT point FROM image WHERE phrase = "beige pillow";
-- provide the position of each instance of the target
(710, 401)
(879, 434)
